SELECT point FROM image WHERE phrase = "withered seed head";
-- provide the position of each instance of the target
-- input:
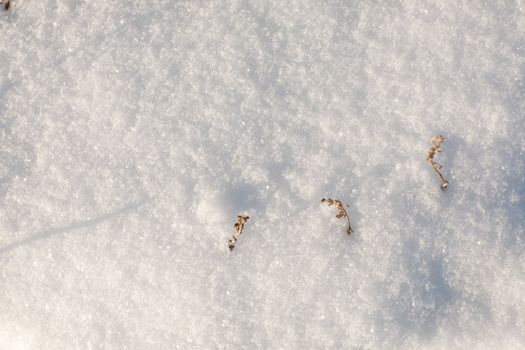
(341, 213)
(239, 227)
(437, 141)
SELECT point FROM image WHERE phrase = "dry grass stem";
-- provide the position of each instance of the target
(342, 211)
(6, 3)
(437, 141)
(239, 226)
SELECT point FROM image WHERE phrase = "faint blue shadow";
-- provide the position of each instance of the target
(73, 226)
(514, 99)
(427, 296)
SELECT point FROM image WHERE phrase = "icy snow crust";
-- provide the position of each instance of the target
(132, 133)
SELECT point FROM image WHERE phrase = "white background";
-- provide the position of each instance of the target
(132, 133)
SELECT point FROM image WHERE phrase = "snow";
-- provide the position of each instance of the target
(132, 134)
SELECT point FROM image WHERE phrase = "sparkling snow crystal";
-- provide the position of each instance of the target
(132, 134)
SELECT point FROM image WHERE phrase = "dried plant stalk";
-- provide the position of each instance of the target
(342, 211)
(239, 226)
(6, 3)
(437, 141)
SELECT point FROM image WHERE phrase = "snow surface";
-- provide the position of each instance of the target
(132, 133)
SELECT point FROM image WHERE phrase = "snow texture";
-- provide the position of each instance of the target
(132, 133)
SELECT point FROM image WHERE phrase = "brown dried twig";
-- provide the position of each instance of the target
(342, 211)
(6, 3)
(239, 226)
(437, 141)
